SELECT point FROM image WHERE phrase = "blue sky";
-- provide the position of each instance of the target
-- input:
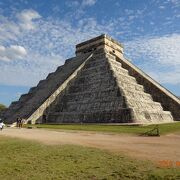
(37, 36)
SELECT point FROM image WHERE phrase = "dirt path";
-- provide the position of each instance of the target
(152, 148)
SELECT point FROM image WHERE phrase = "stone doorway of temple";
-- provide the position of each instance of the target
(44, 118)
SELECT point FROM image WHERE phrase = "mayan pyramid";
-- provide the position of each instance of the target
(99, 85)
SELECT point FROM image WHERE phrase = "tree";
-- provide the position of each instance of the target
(2, 107)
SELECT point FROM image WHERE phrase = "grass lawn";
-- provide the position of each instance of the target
(22, 159)
(164, 128)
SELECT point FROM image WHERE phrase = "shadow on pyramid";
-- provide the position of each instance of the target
(99, 85)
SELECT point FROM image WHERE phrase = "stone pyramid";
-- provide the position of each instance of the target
(99, 85)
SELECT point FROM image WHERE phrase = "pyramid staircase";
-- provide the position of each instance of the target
(30, 102)
(104, 92)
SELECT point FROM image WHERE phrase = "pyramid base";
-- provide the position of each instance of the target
(120, 116)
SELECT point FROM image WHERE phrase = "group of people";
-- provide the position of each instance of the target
(19, 122)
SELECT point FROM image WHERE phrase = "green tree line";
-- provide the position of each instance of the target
(2, 107)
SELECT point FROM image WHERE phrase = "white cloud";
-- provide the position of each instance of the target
(72, 4)
(11, 29)
(13, 52)
(159, 56)
(171, 77)
(29, 72)
(88, 2)
(161, 7)
(176, 3)
(26, 18)
(129, 11)
(54, 40)
(79, 8)
(164, 50)
(48, 46)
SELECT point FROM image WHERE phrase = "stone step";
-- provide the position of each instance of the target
(15, 105)
(111, 99)
(122, 77)
(41, 83)
(85, 82)
(50, 75)
(92, 86)
(95, 95)
(110, 56)
(93, 72)
(96, 75)
(95, 82)
(24, 97)
(107, 91)
(103, 55)
(95, 62)
(131, 101)
(110, 116)
(113, 62)
(145, 105)
(154, 116)
(99, 56)
(89, 106)
(137, 95)
(44, 83)
(32, 90)
(95, 69)
(129, 85)
(120, 69)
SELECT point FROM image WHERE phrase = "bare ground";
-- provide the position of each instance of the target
(152, 148)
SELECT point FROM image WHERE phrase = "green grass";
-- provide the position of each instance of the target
(164, 128)
(22, 159)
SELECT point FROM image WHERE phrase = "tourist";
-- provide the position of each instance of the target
(17, 122)
(20, 122)
(1, 125)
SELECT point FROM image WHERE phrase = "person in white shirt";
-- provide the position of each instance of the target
(1, 125)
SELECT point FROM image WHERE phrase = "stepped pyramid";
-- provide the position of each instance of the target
(99, 85)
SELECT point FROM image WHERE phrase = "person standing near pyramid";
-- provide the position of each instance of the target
(17, 122)
(20, 122)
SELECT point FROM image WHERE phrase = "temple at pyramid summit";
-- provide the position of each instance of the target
(98, 85)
